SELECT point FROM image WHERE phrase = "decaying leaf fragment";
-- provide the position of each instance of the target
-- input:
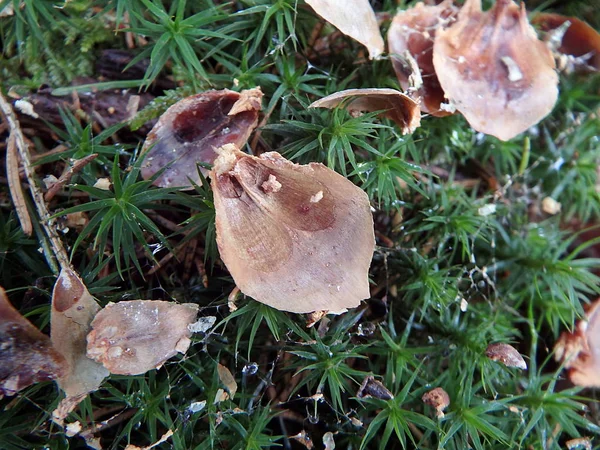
(296, 237)
(132, 337)
(73, 309)
(399, 107)
(579, 40)
(354, 18)
(410, 42)
(495, 70)
(505, 354)
(26, 354)
(188, 131)
(437, 398)
(580, 350)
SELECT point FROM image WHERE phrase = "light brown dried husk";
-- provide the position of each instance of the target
(133, 337)
(354, 18)
(410, 43)
(495, 70)
(580, 350)
(580, 39)
(189, 131)
(73, 309)
(399, 107)
(298, 238)
(505, 354)
(26, 354)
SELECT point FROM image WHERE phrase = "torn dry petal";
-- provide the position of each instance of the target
(281, 248)
(189, 131)
(354, 18)
(73, 309)
(227, 379)
(399, 107)
(439, 399)
(133, 337)
(26, 354)
(410, 41)
(494, 69)
(579, 351)
(506, 354)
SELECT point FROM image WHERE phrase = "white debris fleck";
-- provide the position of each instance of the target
(514, 73)
(73, 428)
(317, 197)
(50, 181)
(26, 108)
(328, 441)
(196, 406)
(271, 185)
(487, 210)
(463, 305)
(202, 325)
(551, 206)
(102, 183)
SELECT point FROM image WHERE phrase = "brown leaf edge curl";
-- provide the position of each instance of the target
(399, 107)
(494, 69)
(410, 42)
(189, 131)
(298, 238)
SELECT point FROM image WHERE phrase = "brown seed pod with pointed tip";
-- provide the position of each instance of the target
(410, 42)
(399, 107)
(26, 354)
(495, 70)
(579, 40)
(135, 336)
(296, 237)
(505, 354)
(580, 350)
(189, 131)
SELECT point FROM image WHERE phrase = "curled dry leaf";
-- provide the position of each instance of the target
(26, 354)
(227, 379)
(189, 131)
(354, 18)
(73, 309)
(580, 350)
(506, 354)
(410, 42)
(437, 398)
(296, 237)
(132, 337)
(398, 106)
(579, 39)
(495, 70)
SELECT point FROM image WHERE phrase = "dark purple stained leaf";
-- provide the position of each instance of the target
(189, 131)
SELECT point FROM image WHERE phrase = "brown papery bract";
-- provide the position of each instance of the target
(579, 39)
(73, 309)
(494, 69)
(410, 42)
(26, 354)
(580, 350)
(399, 107)
(298, 238)
(133, 337)
(188, 131)
(354, 18)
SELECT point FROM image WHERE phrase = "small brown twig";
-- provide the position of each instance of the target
(14, 184)
(59, 253)
(68, 174)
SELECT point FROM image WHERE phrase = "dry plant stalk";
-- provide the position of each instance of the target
(495, 70)
(296, 237)
(354, 18)
(68, 174)
(189, 131)
(14, 184)
(399, 107)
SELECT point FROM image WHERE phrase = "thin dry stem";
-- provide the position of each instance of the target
(14, 183)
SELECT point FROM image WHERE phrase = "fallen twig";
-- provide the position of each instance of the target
(14, 184)
(68, 174)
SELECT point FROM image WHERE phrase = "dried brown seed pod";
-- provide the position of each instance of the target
(189, 131)
(495, 70)
(73, 309)
(354, 18)
(410, 42)
(437, 398)
(580, 350)
(506, 354)
(398, 106)
(296, 237)
(579, 39)
(371, 387)
(26, 354)
(133, 337)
